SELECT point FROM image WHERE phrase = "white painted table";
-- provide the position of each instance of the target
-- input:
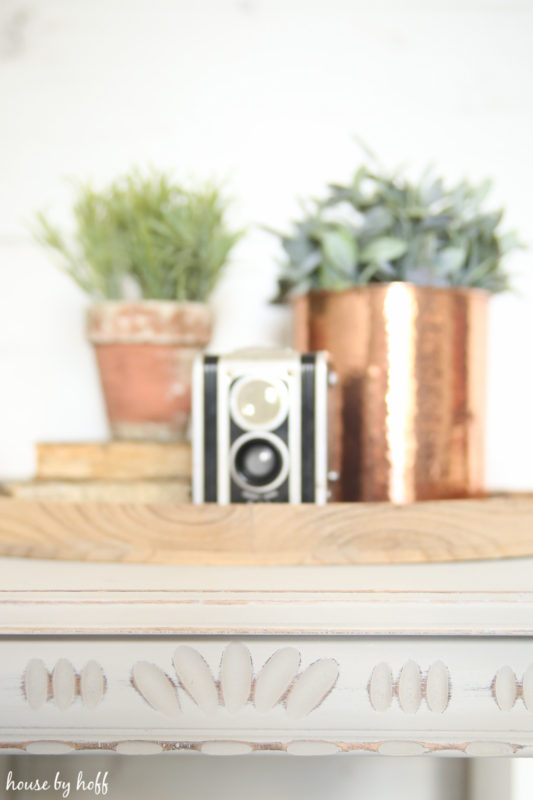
(143, 659)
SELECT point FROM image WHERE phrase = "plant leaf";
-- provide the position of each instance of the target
(340, 251)
(385, 248)
(450, 259)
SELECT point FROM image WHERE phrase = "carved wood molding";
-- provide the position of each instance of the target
(296, 695)
(299, 670)
(290, 612)
(411, 687)
(487, 747)
(63, 684)
(279, 681)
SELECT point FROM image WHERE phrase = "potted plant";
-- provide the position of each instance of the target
(393, 277)
(148, 252)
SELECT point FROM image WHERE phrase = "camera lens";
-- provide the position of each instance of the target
(258, 462)
(259, 403)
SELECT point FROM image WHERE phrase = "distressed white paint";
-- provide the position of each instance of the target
(48, 748)
(236, 673)
(289, 667)
(489, 749)
(156, 687)
(36, 683)
(397, 748)
(196, 678)
(350, 611)
(225, 748)
(92, 684)
(505, 688)
(311, 687)
(63, 683)
(410, 687)
(275, 677)
(437, 687)
(312, 748)
(380, 687)
(138, 748)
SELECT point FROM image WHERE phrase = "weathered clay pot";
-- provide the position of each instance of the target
(411, 367)
(145, 352)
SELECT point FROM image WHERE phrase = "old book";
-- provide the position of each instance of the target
(115, 461)
(160, 491)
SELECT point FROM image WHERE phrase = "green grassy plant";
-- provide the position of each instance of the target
(172, 242)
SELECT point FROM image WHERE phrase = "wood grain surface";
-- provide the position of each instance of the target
(269, 534)
(113, 461)
(115, 491)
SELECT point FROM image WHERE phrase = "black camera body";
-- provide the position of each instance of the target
(260, 427)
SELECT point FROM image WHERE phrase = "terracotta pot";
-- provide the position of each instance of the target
(411, 367)
(145, 352)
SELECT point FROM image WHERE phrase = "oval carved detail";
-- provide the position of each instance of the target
(312, 748)
(279, 681)
(380, 687)
(312, 687)
(36, 683)
(156, 687)
(489, 749)
(410, 687)
(400, 748)
(275, 678)
(225, 748)
(438, 687)
(236, 674)
(48, 748)
(92, 684)
(134, 748)
(63, 683)
(196, 678)
(505, 688)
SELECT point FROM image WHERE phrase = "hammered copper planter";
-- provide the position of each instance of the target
(145, 352)
(411, 366)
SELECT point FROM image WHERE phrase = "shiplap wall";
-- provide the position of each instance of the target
(267, 94)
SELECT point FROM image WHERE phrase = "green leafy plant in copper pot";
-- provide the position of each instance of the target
(392, 277)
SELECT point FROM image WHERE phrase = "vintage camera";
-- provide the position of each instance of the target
(260, 427)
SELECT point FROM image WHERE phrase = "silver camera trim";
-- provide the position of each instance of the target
(280, 446)
(280, 416)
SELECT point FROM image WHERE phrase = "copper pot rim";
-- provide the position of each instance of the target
(383, 286)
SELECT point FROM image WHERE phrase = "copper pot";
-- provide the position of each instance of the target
(411, 367)
(145, 352)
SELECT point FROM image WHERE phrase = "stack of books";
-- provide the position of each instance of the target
(116, 471)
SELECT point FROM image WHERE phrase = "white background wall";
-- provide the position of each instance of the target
(268, 94)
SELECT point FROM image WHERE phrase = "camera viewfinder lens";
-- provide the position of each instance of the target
(259, 403)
